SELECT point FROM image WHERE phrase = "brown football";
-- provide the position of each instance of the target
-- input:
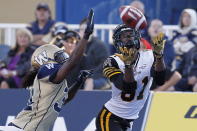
(132, 17)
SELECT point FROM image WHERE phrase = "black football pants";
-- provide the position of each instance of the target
(106, 121)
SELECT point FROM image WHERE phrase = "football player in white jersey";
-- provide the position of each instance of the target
(49, 92)
(131, 77)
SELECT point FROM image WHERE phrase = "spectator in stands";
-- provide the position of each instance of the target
(58, 27)
(43, 23)
(17, 62)
(188, 69)
(139, 5)
(184, 37)
(71, 40)
(96, 53)
(172, 77)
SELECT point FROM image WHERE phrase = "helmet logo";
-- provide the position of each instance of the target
(41, 58)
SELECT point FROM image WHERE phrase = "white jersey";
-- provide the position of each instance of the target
(45, 102)
(142, 75)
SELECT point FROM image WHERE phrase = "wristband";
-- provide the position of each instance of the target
(158, 56)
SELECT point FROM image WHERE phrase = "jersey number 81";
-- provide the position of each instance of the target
(130, 97)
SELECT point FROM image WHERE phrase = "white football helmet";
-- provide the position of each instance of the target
(48, 54)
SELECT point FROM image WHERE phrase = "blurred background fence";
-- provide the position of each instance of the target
(103, 31)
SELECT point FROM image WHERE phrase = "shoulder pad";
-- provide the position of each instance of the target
(110, 67)
(47, 70)
(110, 62)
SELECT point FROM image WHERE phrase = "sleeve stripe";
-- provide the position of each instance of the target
(111, 69)
(110, 72)
(114, 74)
(107, 72)
(108, 68)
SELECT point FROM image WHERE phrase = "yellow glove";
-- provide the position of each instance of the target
(158, 43)
(127, 55)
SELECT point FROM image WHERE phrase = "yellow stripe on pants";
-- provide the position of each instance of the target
(101, 119)
(107, 121)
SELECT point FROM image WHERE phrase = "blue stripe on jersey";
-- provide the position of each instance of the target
(48, 70)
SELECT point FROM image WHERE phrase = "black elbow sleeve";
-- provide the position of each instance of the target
(159, 77)
(129, 88)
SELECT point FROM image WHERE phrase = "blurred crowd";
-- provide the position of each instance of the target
(180, 53)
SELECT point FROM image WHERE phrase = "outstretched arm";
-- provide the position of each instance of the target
(84, 74)
(77, 53)
(159, 68)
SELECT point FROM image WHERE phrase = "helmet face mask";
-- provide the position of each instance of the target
(125, 36)
(61, 57)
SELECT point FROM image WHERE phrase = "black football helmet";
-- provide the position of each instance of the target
(133, 33)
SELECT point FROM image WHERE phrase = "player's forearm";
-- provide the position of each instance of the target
(159, 73)
(84, 74)
(121, 84)
(129, 83)
(129, 75)
(73, 90)
(78, 52)
(71, 62)
(159, 65)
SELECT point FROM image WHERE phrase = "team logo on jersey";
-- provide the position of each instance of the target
(41, 58)
(107, 62)
(50, 65)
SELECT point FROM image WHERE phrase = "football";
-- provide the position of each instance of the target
(132, 17)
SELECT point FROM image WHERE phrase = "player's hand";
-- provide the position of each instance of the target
(158, 44)
(127, 55)
(84, 74)
(90, 25)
